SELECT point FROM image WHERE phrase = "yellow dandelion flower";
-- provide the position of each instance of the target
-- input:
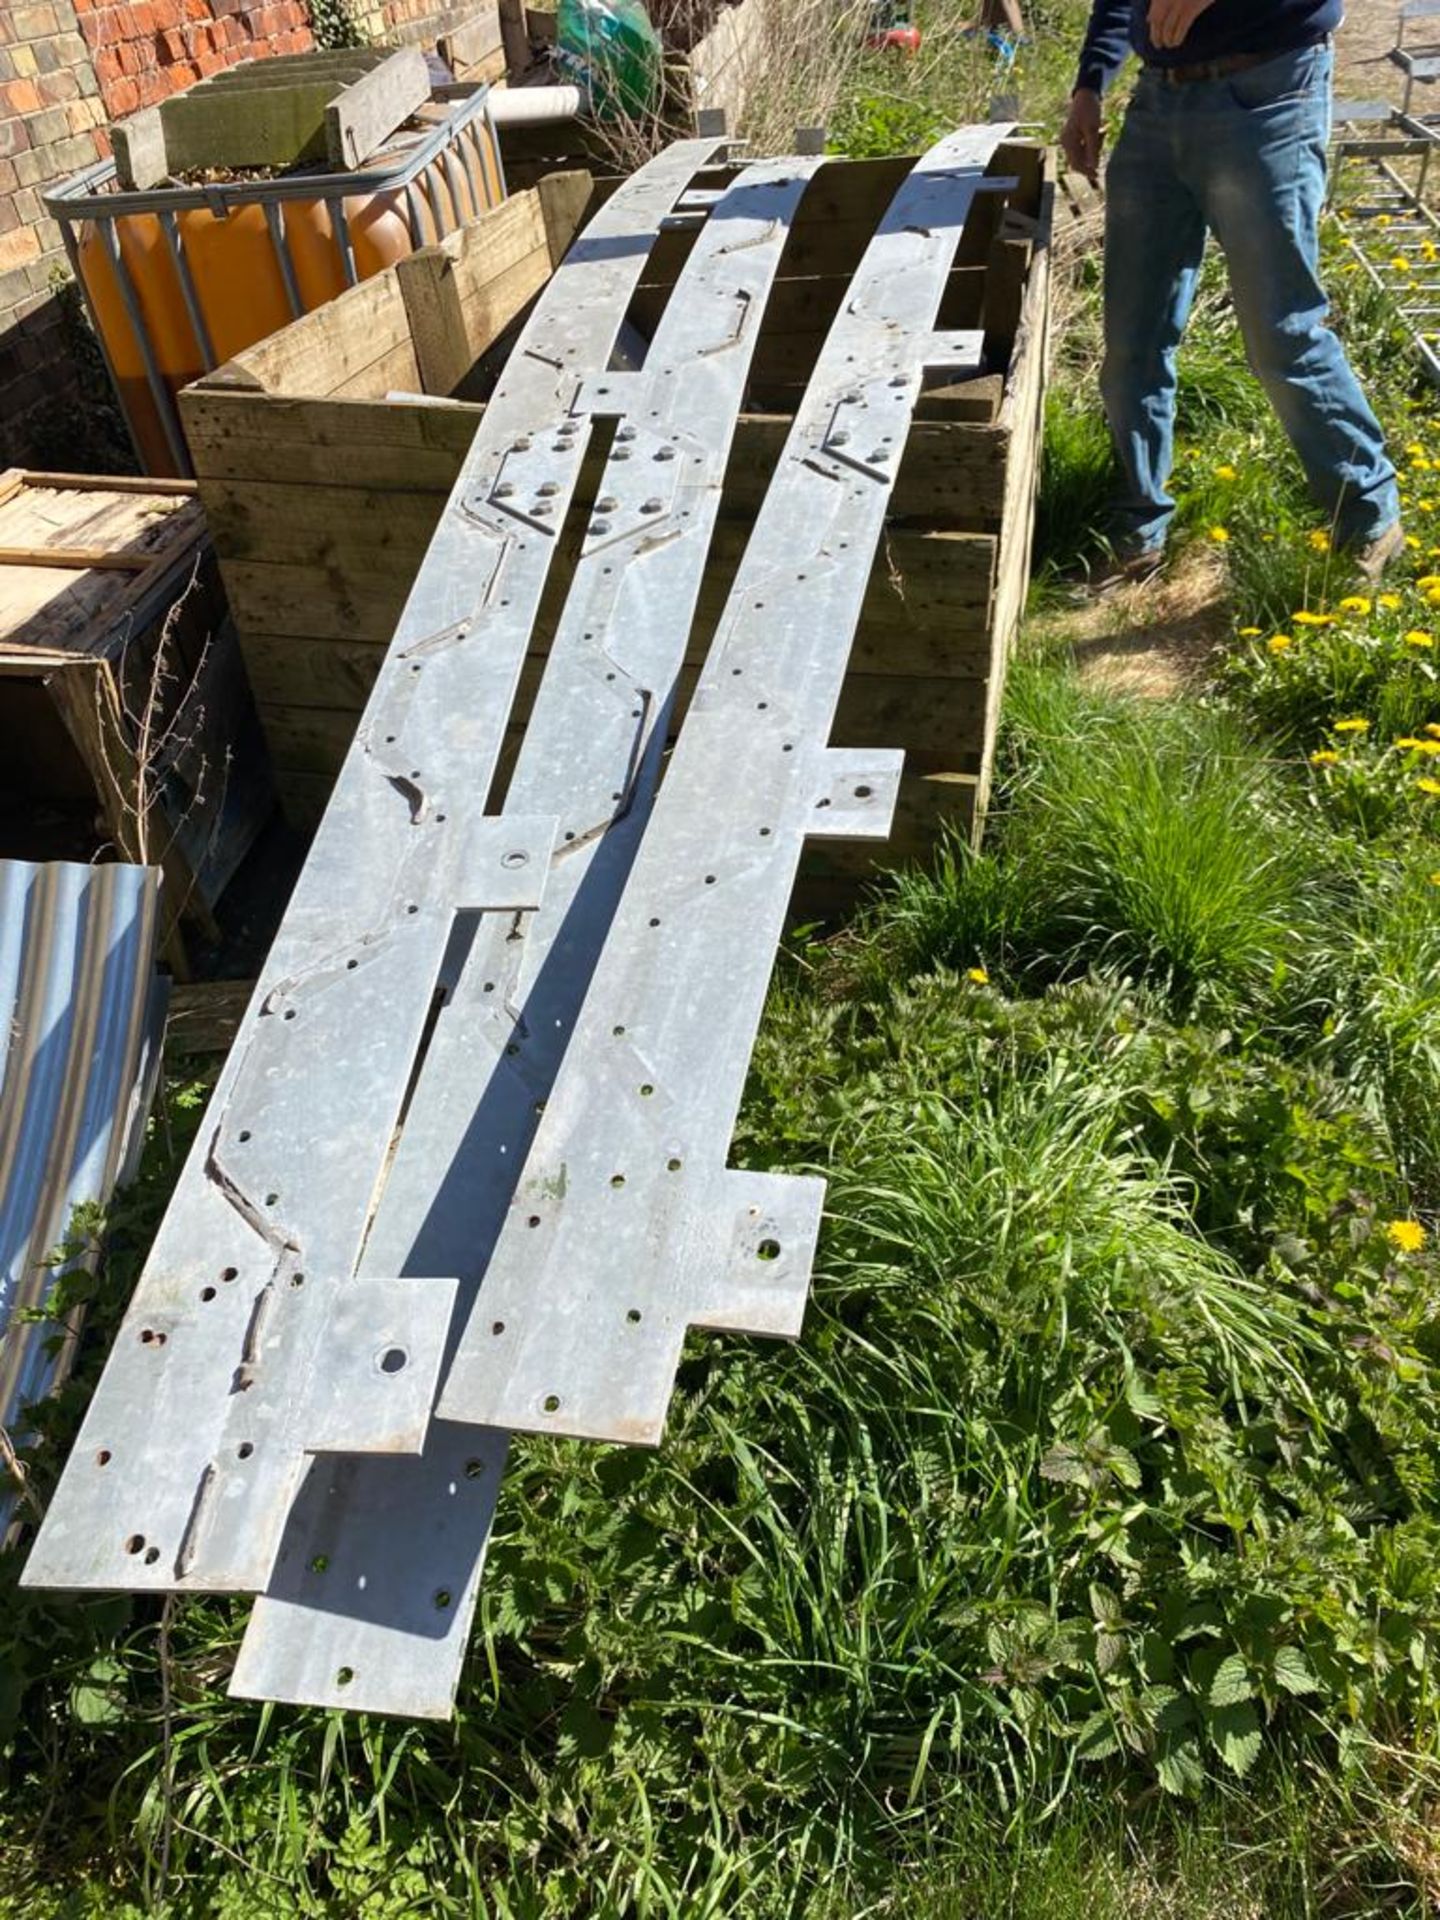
(1304, 619)
(1250, 633)
(1412, 543)
(978, 975)
(1225, 473)
(1417, 637)
(1427, 785)
(1415, 451)
(1219, 535)
(1428, 581)
(1324, 757)
(1382, 219)
(1419, 464)
(1320, 541)
(1278, 642)
(1435, 879)
(1406, 1236)
(1399, 263)
(1355, 603)
(1432, 598)
(1433, 727)
(1391, 602)
(1429, 251)
(1354, 725)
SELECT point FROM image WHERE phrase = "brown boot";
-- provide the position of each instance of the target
(1375, 556)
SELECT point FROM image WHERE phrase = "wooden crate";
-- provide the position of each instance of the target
(126, 726)
(325, 455)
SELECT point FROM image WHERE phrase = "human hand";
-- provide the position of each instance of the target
(1082, 135)
(1171, 20)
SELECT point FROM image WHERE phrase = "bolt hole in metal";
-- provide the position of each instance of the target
(392, 1360)
(515, 858)
(320, 1563)
(474, 1469)
(272, 1199)
(646, 1091)
(297, 1279)
(617, 1180)
(227, 1274)
(290, 1013)
(136, 1543)
(633, 1316)
(343, 1676)
(243, 1135)
(351, 965)
(674, 1165)
(551, 1403)
(442, 1599)
(497, 1328)
(863, 793)
(533, 1221)
(152, 1554)
(150, 1338)
(103, 1457)
(768, 1250)
(207, 1293)
(245, 1449)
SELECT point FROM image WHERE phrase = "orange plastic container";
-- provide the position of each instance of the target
(181, 279)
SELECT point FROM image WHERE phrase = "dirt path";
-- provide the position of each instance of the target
(1362, 70)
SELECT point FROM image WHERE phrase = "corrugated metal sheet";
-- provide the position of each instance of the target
(81, 1007)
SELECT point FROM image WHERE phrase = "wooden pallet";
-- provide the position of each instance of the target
(91, 570)
(325, 455)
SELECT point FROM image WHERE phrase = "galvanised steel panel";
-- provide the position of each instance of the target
(371, 1600)
(81, 1011)
(277, 1197)
(627, 1227)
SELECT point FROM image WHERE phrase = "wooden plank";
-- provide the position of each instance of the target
(565, 204)
(249, 126)
(322, 351)
(460, 295)
(237, 437)
(205, 1016)
(950, 474)
(362, 117)
(78, 559)
(472, 43)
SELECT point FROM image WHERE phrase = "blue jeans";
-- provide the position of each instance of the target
(1244, 158)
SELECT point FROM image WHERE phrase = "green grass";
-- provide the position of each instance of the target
(1083, 1558)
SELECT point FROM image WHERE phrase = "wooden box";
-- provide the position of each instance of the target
(325, 454)
(126, 726)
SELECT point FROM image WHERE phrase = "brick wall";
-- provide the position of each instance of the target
(145, 49)
(50, 112)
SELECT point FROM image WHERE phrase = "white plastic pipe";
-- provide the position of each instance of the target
(533, 106)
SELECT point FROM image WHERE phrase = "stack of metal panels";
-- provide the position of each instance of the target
(465, 1171)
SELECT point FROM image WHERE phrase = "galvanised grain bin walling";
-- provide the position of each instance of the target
(180, 278)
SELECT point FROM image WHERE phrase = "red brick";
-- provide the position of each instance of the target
(131, 59)
(21, 97)
(210, 61)
(123, 97)
(101, 137)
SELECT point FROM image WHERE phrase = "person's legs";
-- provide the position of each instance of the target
(1154, 240)
(1256, 153)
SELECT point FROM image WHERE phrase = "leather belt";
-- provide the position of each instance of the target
(1221, 69)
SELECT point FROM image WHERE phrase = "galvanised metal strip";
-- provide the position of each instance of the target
(240, 1354)
(627, 1227)
(373, 1591)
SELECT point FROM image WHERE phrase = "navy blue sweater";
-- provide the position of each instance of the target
(1225, 27)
